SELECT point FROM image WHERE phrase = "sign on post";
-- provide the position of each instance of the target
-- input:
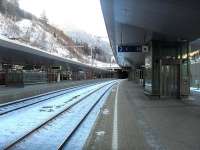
(133, 48)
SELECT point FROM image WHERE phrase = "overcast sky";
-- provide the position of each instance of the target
(85, 15)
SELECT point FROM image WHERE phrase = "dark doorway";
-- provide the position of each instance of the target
(170, 78)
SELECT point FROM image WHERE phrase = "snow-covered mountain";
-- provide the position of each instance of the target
(32, 33)
(54, 41)
(91, 40)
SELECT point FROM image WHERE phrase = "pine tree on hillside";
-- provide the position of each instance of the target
(3, 6)
(15, 3)
(43, 18)
(13, 7)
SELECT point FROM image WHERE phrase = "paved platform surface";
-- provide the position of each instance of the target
(8, 94)
(146, 124)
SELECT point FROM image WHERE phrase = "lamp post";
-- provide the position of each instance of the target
(110, 67)
(91, 56)
(92, 61)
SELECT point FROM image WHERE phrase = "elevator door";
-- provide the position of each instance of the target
(170, 80)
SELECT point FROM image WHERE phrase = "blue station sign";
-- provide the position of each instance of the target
(130, 48)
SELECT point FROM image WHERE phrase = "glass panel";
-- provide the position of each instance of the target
(194, 69)
(148, 73)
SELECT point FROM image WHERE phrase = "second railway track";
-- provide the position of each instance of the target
(26, 102)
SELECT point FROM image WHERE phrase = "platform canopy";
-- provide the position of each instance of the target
(135, 22)
(14, 52)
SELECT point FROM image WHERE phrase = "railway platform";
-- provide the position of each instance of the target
(131, 120)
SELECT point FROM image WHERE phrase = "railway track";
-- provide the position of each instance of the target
(16, 105)
(67, 138)
(90, 100)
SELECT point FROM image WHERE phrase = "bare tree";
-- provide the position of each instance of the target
(40, 41)
(12, 30)
(52, 45)
(27, 36)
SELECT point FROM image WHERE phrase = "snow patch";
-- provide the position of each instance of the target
(32, 33)
(106, 112)
(100, 133)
